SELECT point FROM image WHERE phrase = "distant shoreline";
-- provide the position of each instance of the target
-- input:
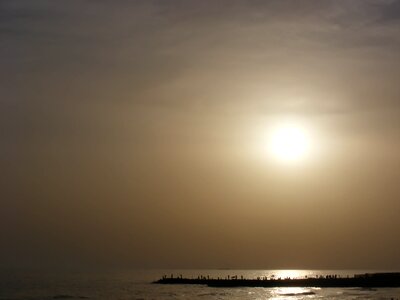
(368, 280)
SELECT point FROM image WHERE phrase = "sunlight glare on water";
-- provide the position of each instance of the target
(290, 273)
(291, 292)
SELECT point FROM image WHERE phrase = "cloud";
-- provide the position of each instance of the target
(67, 56)
(62, 57)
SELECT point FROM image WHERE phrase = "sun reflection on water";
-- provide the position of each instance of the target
(292, 274)
(291, 292)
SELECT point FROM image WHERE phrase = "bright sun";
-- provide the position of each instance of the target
(289, 143)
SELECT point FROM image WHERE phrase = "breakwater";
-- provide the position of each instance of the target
(367, 280)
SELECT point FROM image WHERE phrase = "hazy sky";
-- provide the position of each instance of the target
(132, 133)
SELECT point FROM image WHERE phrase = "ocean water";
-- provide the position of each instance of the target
(136, 285)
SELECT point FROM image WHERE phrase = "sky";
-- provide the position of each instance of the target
(133, 133)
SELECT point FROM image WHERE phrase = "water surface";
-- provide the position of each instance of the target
(136, 285)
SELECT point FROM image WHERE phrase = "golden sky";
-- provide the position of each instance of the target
(133, 133)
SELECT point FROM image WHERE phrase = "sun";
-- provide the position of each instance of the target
(289, 143)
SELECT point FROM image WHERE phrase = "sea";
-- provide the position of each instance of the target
(137, 285)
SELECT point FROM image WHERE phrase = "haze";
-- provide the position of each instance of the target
(132, 133)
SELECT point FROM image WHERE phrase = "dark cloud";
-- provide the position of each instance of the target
(389, 11)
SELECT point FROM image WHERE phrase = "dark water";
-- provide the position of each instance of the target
(136, 285)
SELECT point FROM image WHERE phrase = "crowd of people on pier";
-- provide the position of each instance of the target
(272, 277)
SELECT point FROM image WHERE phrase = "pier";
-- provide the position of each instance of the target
(367, 280)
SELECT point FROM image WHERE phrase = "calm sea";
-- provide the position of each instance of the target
(136, 285)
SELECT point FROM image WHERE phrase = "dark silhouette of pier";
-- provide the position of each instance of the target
(367, 280)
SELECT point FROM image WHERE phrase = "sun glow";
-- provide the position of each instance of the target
(289, 143)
